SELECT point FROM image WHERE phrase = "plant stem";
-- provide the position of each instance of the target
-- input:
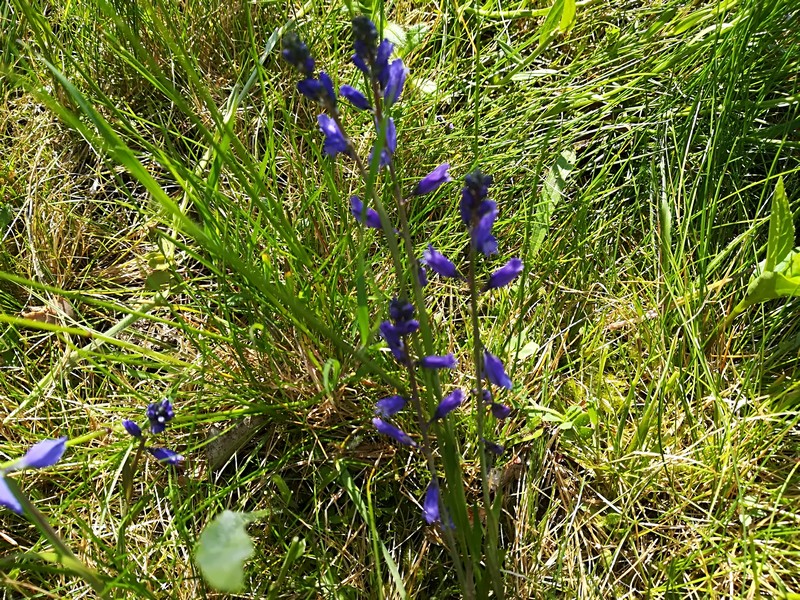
(480, 417)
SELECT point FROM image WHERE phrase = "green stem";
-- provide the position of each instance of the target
(480, 417)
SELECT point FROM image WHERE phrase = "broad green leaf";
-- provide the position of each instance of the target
(781, 228)
(554, 184)
(395, 33)
(222, 550)
(551, 21)
(567, 16)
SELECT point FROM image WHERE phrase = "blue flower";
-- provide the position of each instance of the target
(490, 446)
(482, 232)
(394, 340)
(505, 274)
(422, 276)
(388, 407)
(390, 146)
(430, 505)
(335, 141)
(447, 361)
(355, 97)
(368, 218)
(393, 432)
(42, 454)
(500, 411)
(311, 88)
(395, 81)
(296, 53)
(401, 311)
(132, 428)
(473, 196)
(448, 404)
(439, 263)
(381, 69)
(433, 180)
(159, 413)
(494, 370)
(166, 456)
(8, 499)
(327, 86)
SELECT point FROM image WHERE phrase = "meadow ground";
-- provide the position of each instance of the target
(170, 227)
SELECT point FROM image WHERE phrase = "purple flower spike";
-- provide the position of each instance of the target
(505, 274)
(390, 406)
(334, 139)
(159, 414)
(369, 219)
(500, 411)
(439, 263)
(448, 361)
(393, 432)
(132, 428)
(355, 97)
(42, 454)
(433, 180)
(395, 81)
(430, 505)
(166, 456)
(490, 446)
(448, 404)
(482, 234)
(494, 370)
(8, 499)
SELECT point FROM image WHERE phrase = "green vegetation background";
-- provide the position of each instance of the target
(170, 227)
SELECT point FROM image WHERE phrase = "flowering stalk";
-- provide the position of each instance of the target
(384, 80)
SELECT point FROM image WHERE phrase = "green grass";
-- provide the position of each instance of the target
(161, 175)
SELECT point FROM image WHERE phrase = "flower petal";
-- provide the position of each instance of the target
(42, 454)
(494, 370)
(8, 499)
(448, 361)
(368, 218)
(505, 274)
(355, 97)
(132, 428)
(492, 447)
(395, 81)
(448, 404)
(439, 263)
(165, 455)
(390, 406)
(430, 505)
(500, 411)
(334, 139)
(433, 180)
(393, 432)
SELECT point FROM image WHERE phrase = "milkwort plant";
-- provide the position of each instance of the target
(158, 415)
(473, 546)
